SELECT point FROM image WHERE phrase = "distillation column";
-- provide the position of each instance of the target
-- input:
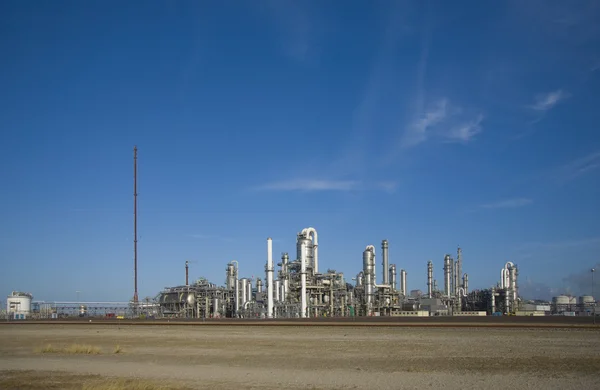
(304, 251)
(384, 255)
(369, 275)
(458, 271)
(466, 283)
(393, 282)
(269, 278)
(403, 288)
(429, 279)
(447, 272)
(285, 288)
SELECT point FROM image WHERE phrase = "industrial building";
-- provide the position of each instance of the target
(299, 289)
(18, 305)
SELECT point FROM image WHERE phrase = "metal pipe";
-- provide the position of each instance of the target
(249, 294)
(135, 284)
(277, 290)
(458, 268)
(186, 273)
(369, 273)
(269, 277)
(303, 260)
(244, 289)
(393, 275)
(384, 255)
(430, 279)
(403, 287)
(285, 275)
(237, 288)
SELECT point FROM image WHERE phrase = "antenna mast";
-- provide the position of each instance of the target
(135, 293)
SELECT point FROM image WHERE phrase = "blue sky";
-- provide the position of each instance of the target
(428, 124)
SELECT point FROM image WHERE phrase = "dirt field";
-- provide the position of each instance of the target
(236, 357)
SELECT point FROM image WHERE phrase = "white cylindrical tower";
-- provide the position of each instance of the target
(369, 275)
(304, 255)
(269, 277)
(429, 279)
(277, 291)
(393, 281)
(385, 260)
(447, 275)
(249, 293)
(403, 287)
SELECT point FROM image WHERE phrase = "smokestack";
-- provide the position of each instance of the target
(403, 288)
(269, 278)
(447, 275)
(135, 288)
(186, 273)
(430, 279)
(458, 268)
(385, 270)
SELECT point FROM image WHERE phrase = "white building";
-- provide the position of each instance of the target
(18, 305)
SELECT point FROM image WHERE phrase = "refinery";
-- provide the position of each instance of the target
(296, 287)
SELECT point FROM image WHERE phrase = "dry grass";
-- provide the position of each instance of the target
(73, 349)
(129, 384)
(118, 349)
(38, 380)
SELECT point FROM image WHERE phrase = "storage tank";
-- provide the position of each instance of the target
(19, 302)
(586, 302)
(409, 306)
(216, 307)
(561, 300)
(188, 297)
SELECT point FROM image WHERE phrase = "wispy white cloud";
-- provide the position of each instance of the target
(508, 203)
(579, 167)
(309, 185)
(544, 102)
(388, 186)
(443, 121)
(314, 185)
(466, 131)
(418, 130)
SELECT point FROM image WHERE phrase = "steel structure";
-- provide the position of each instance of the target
(296, 289)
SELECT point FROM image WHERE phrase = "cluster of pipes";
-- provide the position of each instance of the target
(298, 289)
(288, 293)
(455, 284)
(508, 289)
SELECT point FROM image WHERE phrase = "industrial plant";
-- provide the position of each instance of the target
(296, 287)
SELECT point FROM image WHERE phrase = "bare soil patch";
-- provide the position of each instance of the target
(223, 357)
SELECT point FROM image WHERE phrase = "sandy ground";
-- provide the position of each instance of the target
(224, 357)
